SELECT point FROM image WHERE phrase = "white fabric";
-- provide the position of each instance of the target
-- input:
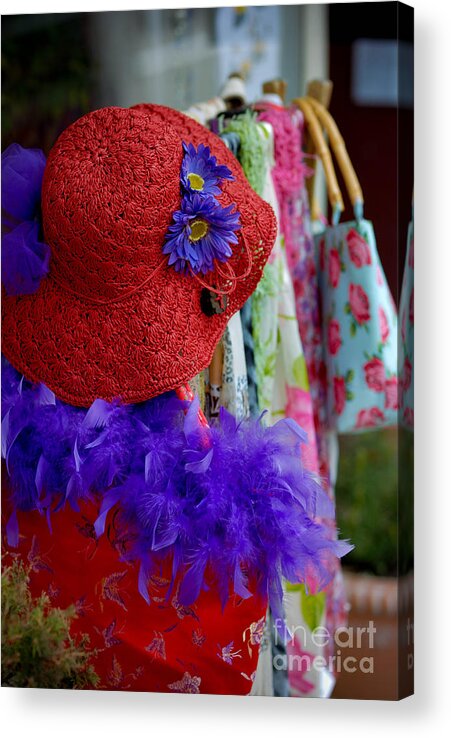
(204, 111)
(234, 87)
(271, 97)
(263, 681)
(234, 392)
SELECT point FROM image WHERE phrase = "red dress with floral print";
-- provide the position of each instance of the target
(157, 647)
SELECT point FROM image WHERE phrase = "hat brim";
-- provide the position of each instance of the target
(155, 339)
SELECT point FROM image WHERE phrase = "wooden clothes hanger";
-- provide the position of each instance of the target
(276, 86)
(317, 118)
(341, 155)
(320, 90)
(321, 148)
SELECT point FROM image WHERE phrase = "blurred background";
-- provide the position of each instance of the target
(55, 67)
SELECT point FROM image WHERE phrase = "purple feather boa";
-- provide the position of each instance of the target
(231, 502)
(25, 258)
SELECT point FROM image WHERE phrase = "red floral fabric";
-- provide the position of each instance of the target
(161, 647)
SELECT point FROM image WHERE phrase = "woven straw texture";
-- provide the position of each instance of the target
(112, 319)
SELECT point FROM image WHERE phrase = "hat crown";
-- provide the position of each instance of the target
(111, 185)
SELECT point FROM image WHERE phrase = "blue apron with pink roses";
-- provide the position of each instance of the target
(359, 324)
(406, 338)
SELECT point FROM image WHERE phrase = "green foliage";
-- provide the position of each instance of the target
(37, 648)
(367, 500)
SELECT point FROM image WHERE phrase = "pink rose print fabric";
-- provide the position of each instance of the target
(339, 394)
(334, 268)
(359, 329)
(406, 350)
(359, 251)
(375, 374)
(383, 326)
(370, 418)
(359, 306)
(334, 337)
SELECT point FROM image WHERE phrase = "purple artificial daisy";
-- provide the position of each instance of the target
(200, 173)
(202, 231)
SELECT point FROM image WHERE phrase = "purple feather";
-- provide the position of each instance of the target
(142, 583)
(98, 414)
(12, 530)
(230, 505)
(25, 259)
(22, 173)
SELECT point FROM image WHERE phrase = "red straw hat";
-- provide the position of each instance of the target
(114, 317)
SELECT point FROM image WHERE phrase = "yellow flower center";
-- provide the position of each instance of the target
(196, 181)
(199, 229)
